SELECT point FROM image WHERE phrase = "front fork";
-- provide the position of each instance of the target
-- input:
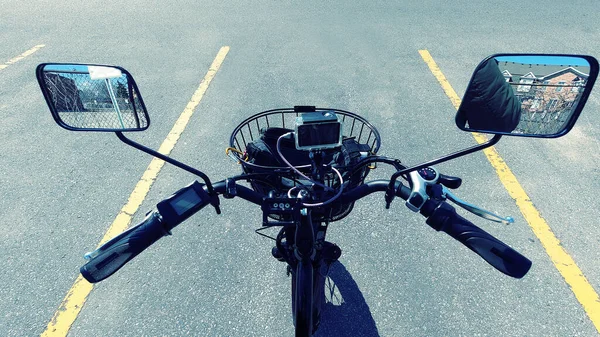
(305, 248)
(305, 241)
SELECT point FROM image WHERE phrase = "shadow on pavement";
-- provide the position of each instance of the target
(345, 312)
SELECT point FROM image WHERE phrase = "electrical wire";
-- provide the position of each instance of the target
(289, 193)
(341, 189)
(334, 197)
(293, 167)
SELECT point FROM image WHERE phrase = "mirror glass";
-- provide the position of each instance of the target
(527, 95)
(92, 97)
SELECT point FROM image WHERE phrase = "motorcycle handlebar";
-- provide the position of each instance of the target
(505, 259)
(115, 253)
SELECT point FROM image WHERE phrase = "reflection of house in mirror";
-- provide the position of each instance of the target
(545, 88)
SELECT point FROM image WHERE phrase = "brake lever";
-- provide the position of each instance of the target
(428, 183)
(475, 209)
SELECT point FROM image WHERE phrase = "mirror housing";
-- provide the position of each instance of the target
(86, 97)
(528, 95)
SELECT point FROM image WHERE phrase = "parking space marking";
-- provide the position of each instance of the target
(22, 56)
(583, 290)
(76, 297)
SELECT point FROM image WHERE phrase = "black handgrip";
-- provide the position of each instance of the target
(114, 254)
(402, 191)
(492, 250)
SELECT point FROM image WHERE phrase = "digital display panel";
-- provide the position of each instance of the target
(185, 201)
(319, 135)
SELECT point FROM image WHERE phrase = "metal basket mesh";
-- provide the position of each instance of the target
(352, 126)
(283, 178)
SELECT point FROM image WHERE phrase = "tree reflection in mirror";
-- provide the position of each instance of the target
(88, 97)
(533, 95)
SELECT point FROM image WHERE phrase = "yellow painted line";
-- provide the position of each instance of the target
(76, 296)
(22, 56)
(581, 287)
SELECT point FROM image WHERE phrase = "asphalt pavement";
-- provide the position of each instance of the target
(214, 277)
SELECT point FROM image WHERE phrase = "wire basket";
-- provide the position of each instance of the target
(282, 178)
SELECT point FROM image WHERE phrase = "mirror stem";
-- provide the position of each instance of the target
(168, 160)
(390, 192)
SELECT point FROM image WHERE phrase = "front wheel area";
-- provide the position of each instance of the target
(308, 295)
(302, 299)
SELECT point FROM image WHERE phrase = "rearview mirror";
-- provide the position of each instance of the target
(530, 95)
(92, 97)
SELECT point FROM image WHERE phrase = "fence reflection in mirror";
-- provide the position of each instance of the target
(89, 97)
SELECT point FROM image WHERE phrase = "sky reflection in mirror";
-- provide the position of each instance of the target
(550, 60)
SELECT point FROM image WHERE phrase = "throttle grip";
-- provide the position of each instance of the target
(114, 254)
(492, 250)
